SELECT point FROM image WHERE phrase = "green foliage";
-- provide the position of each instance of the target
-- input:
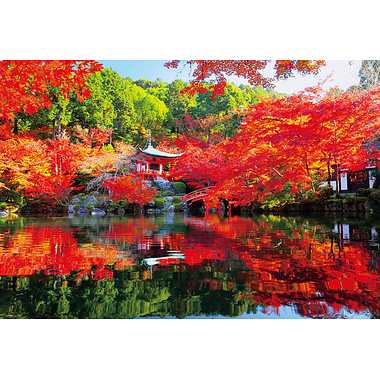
(177, 199)
(351, 200)
(364, 192)
(130, 108)
(151, 113)
(114, 207)
(108, 148)
(159, 202)
(98, 110)
(278, 200)
(12, 200)
(179, 104)
(127, 295)
(326, 192)
(375, 196)
(179, 187)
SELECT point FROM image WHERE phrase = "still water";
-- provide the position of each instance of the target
(177, 266)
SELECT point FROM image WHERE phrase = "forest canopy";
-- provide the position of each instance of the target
(130, 108)
(62, 123)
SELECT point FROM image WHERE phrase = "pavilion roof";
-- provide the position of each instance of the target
(158, 153)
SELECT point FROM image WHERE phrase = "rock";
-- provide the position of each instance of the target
(153, 211)
(83, 206)
(3, 214)
(75, 200)
(98, 212)
(168, 206)
(163, 184)
(90, 201)
(171, 208)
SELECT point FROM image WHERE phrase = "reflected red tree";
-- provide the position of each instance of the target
(55, 250)
(280, 261)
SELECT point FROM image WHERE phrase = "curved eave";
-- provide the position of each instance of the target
(157, 153)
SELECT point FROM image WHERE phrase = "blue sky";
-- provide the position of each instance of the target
(341, 73)
(144, 69)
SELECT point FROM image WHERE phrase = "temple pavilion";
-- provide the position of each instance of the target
(151, 162)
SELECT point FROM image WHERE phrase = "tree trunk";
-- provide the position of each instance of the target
(229, 212)
(54, 129)
(329, 172)
(15, 128)
(59, 126)
(337, 182)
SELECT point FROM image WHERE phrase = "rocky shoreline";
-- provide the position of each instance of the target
(168, 199)
(365, 203)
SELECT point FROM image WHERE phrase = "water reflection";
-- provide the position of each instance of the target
(266, 267)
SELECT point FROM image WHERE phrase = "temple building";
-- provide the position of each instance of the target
(352, 181)
(153, 163)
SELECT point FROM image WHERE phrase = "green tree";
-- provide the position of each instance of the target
(152, 114)
(98, 110)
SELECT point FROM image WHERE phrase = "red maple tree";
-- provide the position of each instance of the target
(217, 71)
(131, 188)
(292, 141)
(26, 86)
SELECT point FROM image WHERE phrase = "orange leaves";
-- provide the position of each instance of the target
(21, 160)
(64, 157)
(39, 169)
(130, 188)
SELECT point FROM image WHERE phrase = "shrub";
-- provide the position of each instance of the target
(177, 199)
(375, 196)
(159, 202)
(326, 192)
(122, 203)
(179, 187)
(131, 188)
(112, 208)
(334, 201)
(178, 207)
(164, 193)
(364, 192)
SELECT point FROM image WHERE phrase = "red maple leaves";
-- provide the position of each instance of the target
(293, 141)
(217, 71)
(28, 86)
(131, 188)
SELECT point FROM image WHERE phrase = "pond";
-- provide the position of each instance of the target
(176, 266)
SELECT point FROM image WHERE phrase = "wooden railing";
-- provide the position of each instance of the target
(196, 195)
